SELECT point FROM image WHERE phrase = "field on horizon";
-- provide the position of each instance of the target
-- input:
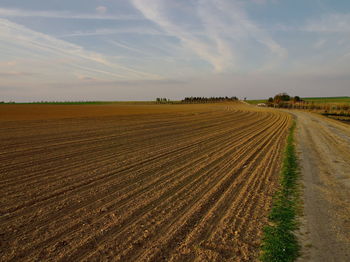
(257, 101)
(340, 99)
(137, 182)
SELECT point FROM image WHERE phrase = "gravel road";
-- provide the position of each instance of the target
(324, 150)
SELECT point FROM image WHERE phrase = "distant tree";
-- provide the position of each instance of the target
(296, 99)
(208, 99)
(270, 100)
(282, 97)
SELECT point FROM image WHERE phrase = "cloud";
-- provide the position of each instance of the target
(260, 2)
(320, 43)
(51, 53)
(101, 10)
(87, 78)
(135, 50)
(141, 30)
(214, 30)
(154, 11)
(263, 2)
(15, 74)
(329, 23)
(9, 63)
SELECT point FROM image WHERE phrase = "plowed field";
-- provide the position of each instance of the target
(179, 183)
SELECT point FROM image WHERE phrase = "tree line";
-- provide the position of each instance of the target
(162, 100)
(283, 100)
(284, 97)
(208, 99)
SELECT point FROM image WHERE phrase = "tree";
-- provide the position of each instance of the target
(208, 99)
(282, 97)
(296, 99)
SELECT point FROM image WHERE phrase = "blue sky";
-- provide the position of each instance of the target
(142, 49)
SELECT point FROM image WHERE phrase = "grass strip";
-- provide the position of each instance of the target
(279, 243)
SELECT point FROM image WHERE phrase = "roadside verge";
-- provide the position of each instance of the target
(279, 241)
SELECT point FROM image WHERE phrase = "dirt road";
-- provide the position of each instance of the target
(324, 148)
(117, 183)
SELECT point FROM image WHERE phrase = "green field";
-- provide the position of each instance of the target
(321, 100)
(340, 99)
(255, 102)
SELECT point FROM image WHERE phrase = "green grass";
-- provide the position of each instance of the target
(255, 102)
(279, 242)
(322, 100)
(339, 99)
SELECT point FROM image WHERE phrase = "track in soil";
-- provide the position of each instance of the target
(193, 183)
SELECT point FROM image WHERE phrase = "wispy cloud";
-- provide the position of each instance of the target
(263, 2)
(86, 78)
(14, 74)
(140, 30)
(101, 9)
(320, 43)
(39, 47)
(228, 25)
(329, 23)
(9, 63)
(215, 32)
(8, 12)
(127, 47)
(171, 48)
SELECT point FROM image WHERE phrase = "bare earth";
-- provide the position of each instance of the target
(137, 183)
(324, 147)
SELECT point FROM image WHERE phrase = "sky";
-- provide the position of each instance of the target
(78, 50)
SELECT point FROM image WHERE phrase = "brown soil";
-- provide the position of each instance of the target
(181, 183)
(324, 146)
(14, 112)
